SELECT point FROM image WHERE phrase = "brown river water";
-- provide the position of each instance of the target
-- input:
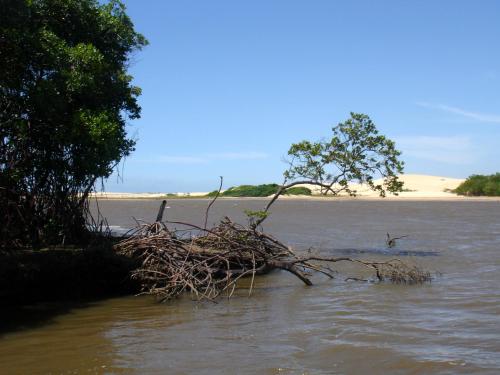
(450, 326)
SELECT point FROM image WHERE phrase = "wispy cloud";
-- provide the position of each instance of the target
(203, 158)
(478, 116)
(450, 150)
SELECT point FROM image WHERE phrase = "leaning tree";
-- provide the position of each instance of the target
(65, 97)
(355, 153)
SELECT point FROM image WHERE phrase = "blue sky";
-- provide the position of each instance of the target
(229, 85)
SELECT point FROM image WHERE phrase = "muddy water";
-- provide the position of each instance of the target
(450, 326)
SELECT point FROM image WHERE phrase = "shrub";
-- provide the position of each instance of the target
(298, 190)
(251, 190)
(480, 185)
(263, 190)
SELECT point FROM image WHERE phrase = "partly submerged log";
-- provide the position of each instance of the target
(209, 262)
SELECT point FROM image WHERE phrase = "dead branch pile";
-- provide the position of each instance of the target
(209, 262)
(206, 265)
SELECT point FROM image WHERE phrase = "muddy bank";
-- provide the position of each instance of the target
(28, 276)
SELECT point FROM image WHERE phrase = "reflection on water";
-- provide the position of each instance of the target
(449, 326)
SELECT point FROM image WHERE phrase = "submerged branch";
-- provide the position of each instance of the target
(212, 261)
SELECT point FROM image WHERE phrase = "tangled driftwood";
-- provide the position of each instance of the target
(209, 262)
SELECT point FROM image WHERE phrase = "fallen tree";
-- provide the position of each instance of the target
(209, 262)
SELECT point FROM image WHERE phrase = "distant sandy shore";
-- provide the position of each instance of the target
(416, 187)
(114, 195)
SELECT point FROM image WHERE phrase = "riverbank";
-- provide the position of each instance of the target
(28, 276)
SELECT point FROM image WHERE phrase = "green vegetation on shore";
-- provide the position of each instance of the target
(480, 185)
(66, 98)
(263, 190)
(298, 190)
(65, 101)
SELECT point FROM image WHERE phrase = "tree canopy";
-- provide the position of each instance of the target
(355, 153)
(65, 97)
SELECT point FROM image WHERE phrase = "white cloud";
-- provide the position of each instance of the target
(203, 158)
(450, 150)
(481, 117)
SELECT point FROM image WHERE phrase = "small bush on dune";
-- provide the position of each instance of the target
(480, 185)
(298, 190)
(264, 190)
(251, 190)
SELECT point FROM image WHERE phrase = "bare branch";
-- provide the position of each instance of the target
(212, 202)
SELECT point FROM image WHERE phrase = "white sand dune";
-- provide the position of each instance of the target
(416, 186)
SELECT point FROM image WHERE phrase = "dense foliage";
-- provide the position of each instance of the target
(251, 190)
(65, 96)
(298, 190)
(264, 190)
(478, 185)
